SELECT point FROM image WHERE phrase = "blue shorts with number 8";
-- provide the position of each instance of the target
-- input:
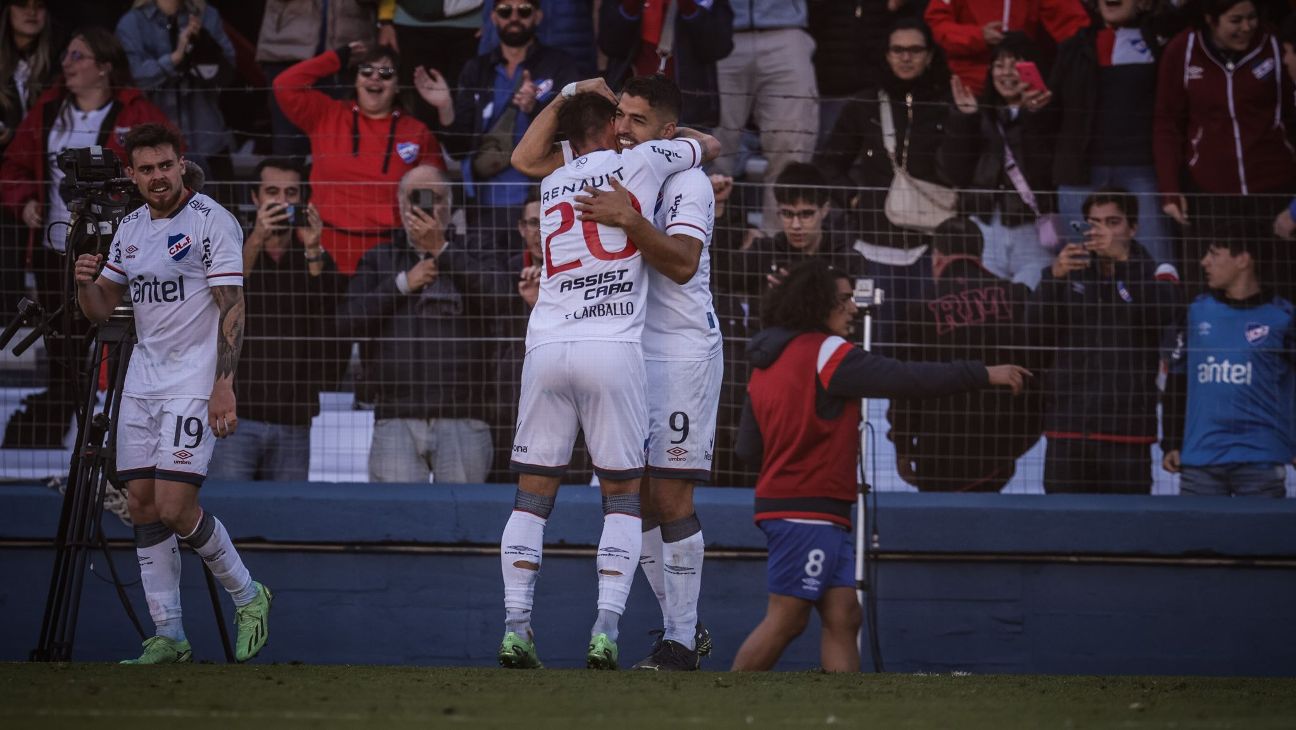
(807, 559)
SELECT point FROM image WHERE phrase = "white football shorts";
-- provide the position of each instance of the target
(593, 386)
(164, 438)
(683, 399)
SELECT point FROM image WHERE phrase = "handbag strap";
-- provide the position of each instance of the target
(1014, 173)
(889, 131)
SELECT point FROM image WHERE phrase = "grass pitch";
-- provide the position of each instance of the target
(102, 696)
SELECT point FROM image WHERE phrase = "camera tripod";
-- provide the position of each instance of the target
(867, 298)
(92, 466)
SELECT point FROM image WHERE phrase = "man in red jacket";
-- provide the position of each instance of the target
(968, 29)
(360, 147)
(801, 424)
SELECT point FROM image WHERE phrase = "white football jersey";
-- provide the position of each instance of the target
(592, 283)
(681, 322)
(168, 267)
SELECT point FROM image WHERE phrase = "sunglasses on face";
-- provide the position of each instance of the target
(386, 73)
(506, 11)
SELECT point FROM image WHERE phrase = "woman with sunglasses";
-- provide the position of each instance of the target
(92, 104)
(361, 147)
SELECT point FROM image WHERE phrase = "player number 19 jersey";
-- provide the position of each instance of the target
(593, 283)
(168, 267)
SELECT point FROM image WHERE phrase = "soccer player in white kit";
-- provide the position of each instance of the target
(684, 364)
(180, 259)
(584, 367)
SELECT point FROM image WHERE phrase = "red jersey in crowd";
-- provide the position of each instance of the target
(357, 161)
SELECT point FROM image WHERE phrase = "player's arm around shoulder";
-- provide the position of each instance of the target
(676, 256)
(711, 148)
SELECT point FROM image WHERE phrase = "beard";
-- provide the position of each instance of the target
(516, 37)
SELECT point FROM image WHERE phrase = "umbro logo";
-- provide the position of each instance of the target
(182, 456)
(677, 453)
(131, 250)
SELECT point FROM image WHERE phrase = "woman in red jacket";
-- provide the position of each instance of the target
(93, 104)
(360, 148)
(1223, 117)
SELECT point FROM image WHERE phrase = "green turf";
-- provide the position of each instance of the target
(286, 696)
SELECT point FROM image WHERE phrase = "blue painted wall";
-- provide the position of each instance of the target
(980, 583)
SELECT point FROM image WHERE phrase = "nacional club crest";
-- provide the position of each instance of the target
(407, 151)
(1255, 333)
(178, 246)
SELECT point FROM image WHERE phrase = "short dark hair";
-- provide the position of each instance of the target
(150, 135)
(958, 237)
(1217, 8)
(378, 53)
(805, 298)
(1239, 236)
(290, 164)
(661, 93)
(1118, 196)
(533, 196)
(801, 181)
(1015, 44)
(584, 116)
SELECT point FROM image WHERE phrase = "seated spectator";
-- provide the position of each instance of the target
(360, 148)
(1000, 149)
(971, 30)
(914, 85)
(1103, 306)
(295, 30)
(498, 95)
(1236, 364)
(769, 79)
(179, 54)
(1223, 114)
(94, 103)
(292, 289)
(421, 305)
(28, 64)
(435, 35)
(967, 442)
(570, 29)
(1104, 91)
(803, 210)
(632, 35)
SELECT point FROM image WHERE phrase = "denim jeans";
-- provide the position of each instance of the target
(1234, 480)
(1154, 231)
(451, 450)
(1013, 252)
(261, 451)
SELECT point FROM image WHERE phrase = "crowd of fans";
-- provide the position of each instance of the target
(1045, 182)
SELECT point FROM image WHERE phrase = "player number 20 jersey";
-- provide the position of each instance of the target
(168, 267)
(592, 283)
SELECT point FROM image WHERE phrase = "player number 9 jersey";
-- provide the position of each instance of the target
(593, 283)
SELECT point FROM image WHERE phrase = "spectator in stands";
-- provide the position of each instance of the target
(295, 30)
(570, 28)
(498, 95)
(291, 354)
(360, 148)
(769, 79)
(28, 64)
(1285, 223)
(1224, 111)
(1236, 364)
(915, 86)
(633, 35)
(422, 304)
(1103, 306)
(179, 54)
(967, 442)
(804, 208)
(1104, 91)
(94, 103)
(437, 35)
(1000, 149)
(971, 30)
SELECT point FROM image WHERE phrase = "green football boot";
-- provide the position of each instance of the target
(161, 650)
(253, 622)
(516, 652)
(602, 653)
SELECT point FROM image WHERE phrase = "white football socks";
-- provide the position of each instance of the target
(682, 565)
(521, 549)
(618, 551)
(650, 561)
(159, 564)
(210, 540)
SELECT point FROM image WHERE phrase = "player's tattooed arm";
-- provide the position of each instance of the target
(229, 333)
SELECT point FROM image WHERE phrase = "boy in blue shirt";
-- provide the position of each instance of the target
(1236, 363)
